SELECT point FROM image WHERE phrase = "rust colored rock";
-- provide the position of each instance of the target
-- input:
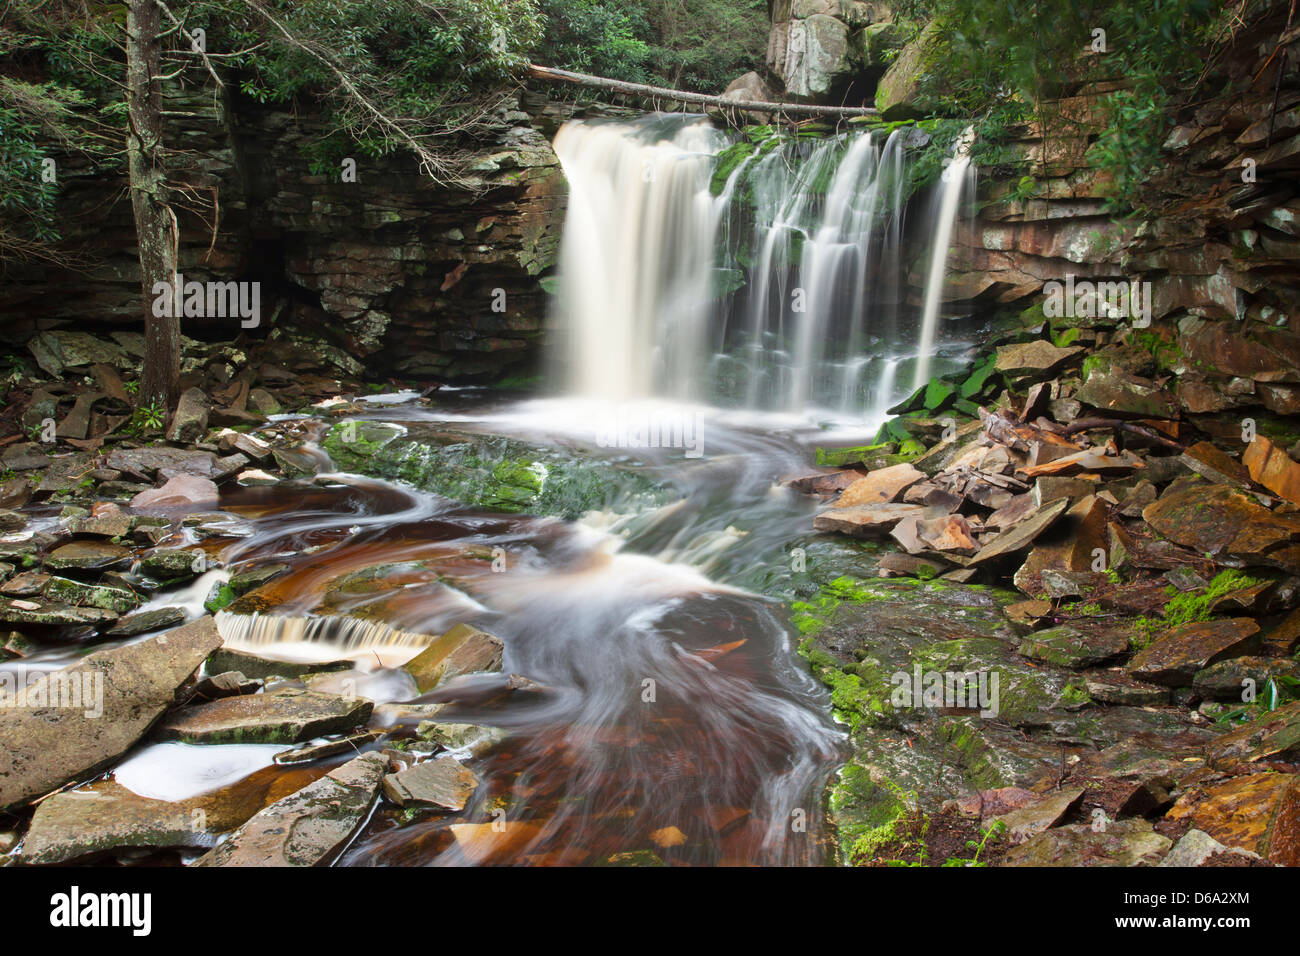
(1273, 468)
(1174, 660)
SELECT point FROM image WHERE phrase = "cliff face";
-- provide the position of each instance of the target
(1218, 247)
(388, 273)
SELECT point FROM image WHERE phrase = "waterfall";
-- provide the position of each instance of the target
(815, 224)
(958, 181)
(636, 259)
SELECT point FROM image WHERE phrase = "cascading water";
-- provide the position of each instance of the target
(817, 226)
(636, 260)
(958, 182)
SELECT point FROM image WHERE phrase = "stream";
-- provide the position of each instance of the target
(673, 714)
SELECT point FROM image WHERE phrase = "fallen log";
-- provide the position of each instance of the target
(703, 99)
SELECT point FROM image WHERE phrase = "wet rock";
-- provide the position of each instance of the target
(245, 581)
(1027, 821)
(82, 824)
(145, 463)
(43, 746)
(1196, 847)
(1258, 812)
(1211, 518)
(865, 520)
(221, 686)
(27, 611)
(1175, 659)
(283, 716)
(173, 564)
(308, 827)
(262, 668)
(180, 491)
(1117, 689)
(65, 591)
(1121, 843)
(443, 784)
(472, 737)
(1231, 679)
(331, 748)
(250, 445)
(1119, 392)
(1206, 460)
(1066, 647)
(462, 650)
(88, 556)
(880, 486)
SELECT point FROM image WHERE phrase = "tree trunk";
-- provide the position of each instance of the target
(681, 96)
(154, 222)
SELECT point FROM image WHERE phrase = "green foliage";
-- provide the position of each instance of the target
(1012, 57)
(146, 419)
(699, 45)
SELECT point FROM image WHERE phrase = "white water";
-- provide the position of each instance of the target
(816, 228)
(958, 181)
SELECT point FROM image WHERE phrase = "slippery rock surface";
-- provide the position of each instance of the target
(308, 827)
(282, 716)
(117, 695)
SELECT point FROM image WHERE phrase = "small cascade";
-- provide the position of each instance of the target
(332, 633)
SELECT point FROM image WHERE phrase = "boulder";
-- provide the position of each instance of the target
(817, 54)
(84, 717)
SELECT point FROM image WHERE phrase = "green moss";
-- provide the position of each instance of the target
(1192, 606)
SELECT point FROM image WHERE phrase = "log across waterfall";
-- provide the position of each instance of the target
(780, 284)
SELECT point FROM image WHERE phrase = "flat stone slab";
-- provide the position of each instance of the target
(1175, 659)
(880, 486)
(866, 521)
(443, 784)
(120, 693)
(1025, 822)
(81, 824)
(1065, 646)
(1275, 735)
(147, 621)
(1022, 535)
(283, 716)
(88, 556)
(1258, 812)
(308, 827)
(1121, 843)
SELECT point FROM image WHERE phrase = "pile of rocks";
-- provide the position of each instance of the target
(1147, 649)
(175, 687)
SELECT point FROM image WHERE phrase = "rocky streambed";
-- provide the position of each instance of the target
(318, 622)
